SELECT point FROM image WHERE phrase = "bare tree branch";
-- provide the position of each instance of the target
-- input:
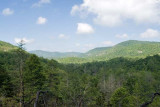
(37, 98)
(147, 103)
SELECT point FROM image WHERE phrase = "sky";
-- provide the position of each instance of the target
(78, 25)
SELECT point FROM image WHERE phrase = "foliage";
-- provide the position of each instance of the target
(5, 47)
(118, 81)
(5, 83)
(33, 77)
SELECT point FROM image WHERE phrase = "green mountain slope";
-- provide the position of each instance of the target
(128, 49)
(132, 49)
(5, 47)
(97, 51)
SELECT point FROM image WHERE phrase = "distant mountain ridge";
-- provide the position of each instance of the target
(130, 49)
(50, 55)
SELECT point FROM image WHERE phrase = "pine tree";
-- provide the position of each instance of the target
(21, 55)
(34, 77)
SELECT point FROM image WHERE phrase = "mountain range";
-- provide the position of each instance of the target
(129, 49)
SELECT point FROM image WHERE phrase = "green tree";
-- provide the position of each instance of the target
(118, 96)
(53, 78)
(34, 77)
(21, 54)
(5, 83)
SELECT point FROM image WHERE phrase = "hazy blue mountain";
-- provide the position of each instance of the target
(50, 55)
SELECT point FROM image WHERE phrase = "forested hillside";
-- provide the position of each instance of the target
(4, 46)
(116, 82)
(127, 49)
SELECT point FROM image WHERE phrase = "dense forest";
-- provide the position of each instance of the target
(27, 80)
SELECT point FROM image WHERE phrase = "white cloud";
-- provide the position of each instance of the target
(75, 8)
(81, 11)
(123, 36)
(63, 36)
(150, 33)
(84, 28)
(115, 12)
(7, 12)
(108, 43)
(24, 40)
(41, 20)
(41, 2)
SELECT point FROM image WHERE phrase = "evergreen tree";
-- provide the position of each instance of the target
(34, 77)
(5, 83)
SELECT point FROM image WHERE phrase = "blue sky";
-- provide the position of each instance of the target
(78, 25)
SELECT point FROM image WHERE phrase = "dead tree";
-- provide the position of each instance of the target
(147, 103)
(37, 98)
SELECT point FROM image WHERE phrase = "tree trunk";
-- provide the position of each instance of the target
(37, 98)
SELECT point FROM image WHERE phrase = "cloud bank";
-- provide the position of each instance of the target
(115, 12)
